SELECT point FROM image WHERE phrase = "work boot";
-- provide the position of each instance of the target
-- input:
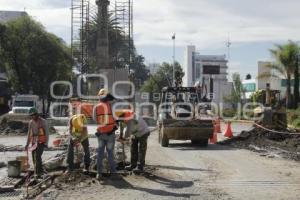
(138, 169)
(100, 178)
(141, 167)
(130, 167)
(86, 171)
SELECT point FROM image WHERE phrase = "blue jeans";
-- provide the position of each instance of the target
(106, 142)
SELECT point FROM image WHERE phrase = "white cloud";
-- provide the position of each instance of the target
(208, 23)
(205, 23)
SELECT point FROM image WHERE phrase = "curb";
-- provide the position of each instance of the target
(242, 121)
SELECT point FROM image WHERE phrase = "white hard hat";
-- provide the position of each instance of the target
(103, 93)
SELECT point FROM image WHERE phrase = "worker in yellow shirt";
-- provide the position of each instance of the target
(78, 134)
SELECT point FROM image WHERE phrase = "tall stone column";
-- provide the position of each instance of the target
(102, 59)
(102, 48)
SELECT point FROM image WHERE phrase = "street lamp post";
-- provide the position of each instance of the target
(174, 39)
(296, 83)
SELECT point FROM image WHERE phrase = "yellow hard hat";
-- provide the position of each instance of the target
(103, 92)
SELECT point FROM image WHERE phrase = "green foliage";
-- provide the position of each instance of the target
(118, 50)
(237, 91)
(162, 78)
(229, 112)
(257, 96)
(293, 118)
(284, 66)
(33, 57)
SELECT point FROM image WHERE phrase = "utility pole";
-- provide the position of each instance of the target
(174, 40)
(296, 83)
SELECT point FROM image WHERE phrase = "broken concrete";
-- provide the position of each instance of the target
(9, 126)
(286, 144)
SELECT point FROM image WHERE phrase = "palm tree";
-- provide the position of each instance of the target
(284, 66)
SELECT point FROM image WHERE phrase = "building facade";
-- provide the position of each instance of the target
(256, 84)
(209, 71)
(153, 67)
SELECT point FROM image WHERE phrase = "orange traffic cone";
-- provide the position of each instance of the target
(218, 125)
(214, 138)
(228, 133)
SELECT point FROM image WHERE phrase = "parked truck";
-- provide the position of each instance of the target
(21, 104)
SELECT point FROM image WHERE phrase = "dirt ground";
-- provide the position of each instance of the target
(257, 139)
(183, 171)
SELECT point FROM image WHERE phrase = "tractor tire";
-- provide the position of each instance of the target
(159, 135)
(164, 141)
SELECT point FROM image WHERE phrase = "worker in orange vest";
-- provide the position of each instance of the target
(105, 132)
(78, 135)
(37, 139)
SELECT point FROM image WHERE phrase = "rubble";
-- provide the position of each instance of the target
(12, 127)
(18, 148)
(56, 165)
(16, 125)
(286, 144)
(186, 123)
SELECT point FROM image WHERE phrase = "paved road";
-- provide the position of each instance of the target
(184, 171)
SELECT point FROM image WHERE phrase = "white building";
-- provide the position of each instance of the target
(153, 67)
(207, 70)
(260, 84)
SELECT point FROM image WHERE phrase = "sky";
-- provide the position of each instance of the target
(252, 26)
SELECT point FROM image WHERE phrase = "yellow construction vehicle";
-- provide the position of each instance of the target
(274, 112)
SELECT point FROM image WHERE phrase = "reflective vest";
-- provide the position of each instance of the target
(78, 128)
(41, 137)
(105, 118)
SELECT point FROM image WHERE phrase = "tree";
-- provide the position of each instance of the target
(34, 58)
(119, 50)
(162, 78)
(285, 65)
(238, 91)
(140, 70)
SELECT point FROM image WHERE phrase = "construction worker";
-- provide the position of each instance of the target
(78, 135)
(37, 139)
(139, 132)
(105, 132)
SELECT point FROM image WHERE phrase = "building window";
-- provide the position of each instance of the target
(284, 82)
(198, 71)
(211, 69)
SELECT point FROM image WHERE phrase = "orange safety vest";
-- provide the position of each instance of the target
(41, 136)
(105, 118)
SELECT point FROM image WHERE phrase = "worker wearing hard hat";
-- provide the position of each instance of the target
(78, 135)
(37, 139)
(139, 132)
(106, 131)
